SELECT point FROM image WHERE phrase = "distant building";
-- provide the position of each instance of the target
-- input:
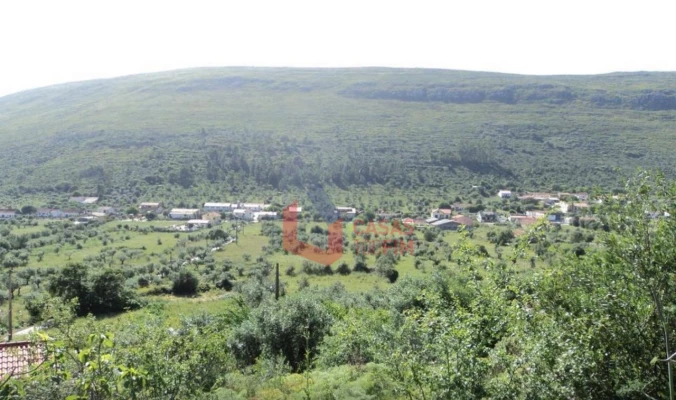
(464, 220)
(346, 213)
(431, 220)
(198, 224)
(219, 207)
(7, 213)
(243, 213)
(107, 210)
(56, 213)
(522, 220)
(264, 216)
(446, 224)
(566, 207)
(486, 216)
(148, 206)
(536, 213)
(184, 213)
(505, 194)
(84, 200)
(213, 217)
(441, 213)
(253, 206)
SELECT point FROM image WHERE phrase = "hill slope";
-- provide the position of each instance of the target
(266, 129)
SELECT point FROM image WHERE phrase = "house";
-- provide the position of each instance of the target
(432, 220)
(148, 206)
(441, 213)
(447, 224)
(213, 217)
(385, 216)
(566, 207)
(253, 206)
(56, 213)
(7, 213)
(219, 207)
(85, 220)
(17, 357)
(536, 213)
(195, 224)
(264, 216)
(463, 220)
(184, 213)
(505, 194)
(486, 216)
(106, 210)
(522, 220)
(555, 218)
(346, 213)
(243, 213)
(84, 200)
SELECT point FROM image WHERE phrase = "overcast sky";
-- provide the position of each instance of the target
(43, 43)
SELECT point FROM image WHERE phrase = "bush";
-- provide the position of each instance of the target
(290, 328)
(102, 293)
(185, 283)
(343, 269)
(360, 266)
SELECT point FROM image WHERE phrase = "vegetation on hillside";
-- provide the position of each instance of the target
(228, 133)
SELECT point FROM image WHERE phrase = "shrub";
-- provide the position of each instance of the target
(185, 283)
(343, 269)
(292, 327)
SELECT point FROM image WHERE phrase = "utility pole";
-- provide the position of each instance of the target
(11, 294)
(277, 282)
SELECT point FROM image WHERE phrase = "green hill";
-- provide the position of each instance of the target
(242, 131)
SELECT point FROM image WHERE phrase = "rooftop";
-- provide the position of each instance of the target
(16, 357)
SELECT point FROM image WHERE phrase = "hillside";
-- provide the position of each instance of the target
(243, 131)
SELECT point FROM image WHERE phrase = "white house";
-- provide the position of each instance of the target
(536, 213)
(84, 200)
(7, 214)
(184, 213)
(572, 207)
(253, 206)
(243, 213)
(505, 194)
(264, 215)
(147, 206)
(198, 223)
(56, 213)
(346, 212)
(219, 207)
(441, 213)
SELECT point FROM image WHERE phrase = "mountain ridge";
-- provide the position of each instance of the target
(247, 129)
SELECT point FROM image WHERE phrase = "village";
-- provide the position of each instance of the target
(558, 208)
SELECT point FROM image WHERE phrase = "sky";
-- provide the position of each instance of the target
(49, 42)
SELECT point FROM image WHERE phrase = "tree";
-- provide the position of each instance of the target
(185, 283)
(28, 210)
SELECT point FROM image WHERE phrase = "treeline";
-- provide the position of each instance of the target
(649, 100)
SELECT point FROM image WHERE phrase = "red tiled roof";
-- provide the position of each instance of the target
(16, 357)
(467, 221)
